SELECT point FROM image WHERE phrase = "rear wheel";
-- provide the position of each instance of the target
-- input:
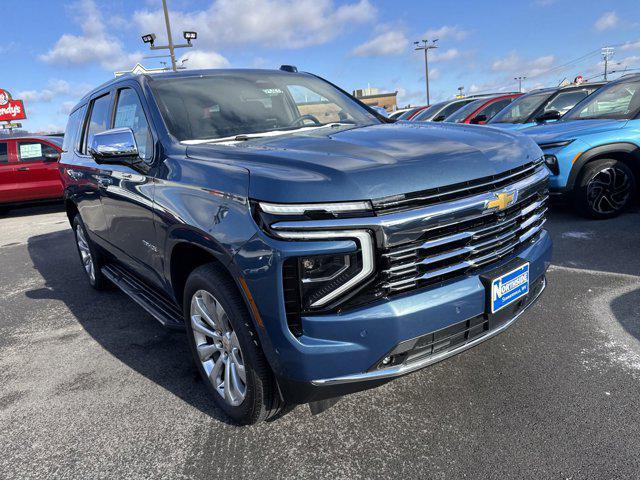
(604, 189)
(89, 255)
(225, 347)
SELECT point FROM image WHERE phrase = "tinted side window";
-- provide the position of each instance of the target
(34, 151)
(71, 132)
(449, 109)
(129, 113)
(495, 107)
(99, 120)
(4, 154)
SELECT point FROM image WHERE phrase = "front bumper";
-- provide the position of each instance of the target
(338, 352)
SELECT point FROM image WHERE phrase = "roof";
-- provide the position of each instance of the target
(142, 78)
(48, 138)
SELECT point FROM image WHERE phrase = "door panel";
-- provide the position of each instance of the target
(127, 194)
(38, 178)
(8, 181)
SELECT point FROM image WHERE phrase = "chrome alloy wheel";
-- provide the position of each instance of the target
(218, 348)
(608, 190)
(85, 253)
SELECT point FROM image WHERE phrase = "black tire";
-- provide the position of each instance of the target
(97, 280)
(604, 189)
(261, 400)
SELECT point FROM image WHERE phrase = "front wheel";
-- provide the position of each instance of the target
(89, 256)
(225, 347)
(604, 189)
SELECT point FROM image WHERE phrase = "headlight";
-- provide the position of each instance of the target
(550, 145)
(324, 278)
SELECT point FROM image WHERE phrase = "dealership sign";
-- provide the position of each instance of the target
(10, 110)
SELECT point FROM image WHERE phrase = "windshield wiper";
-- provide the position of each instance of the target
(243, 137)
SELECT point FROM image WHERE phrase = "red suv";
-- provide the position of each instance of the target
(29, 170)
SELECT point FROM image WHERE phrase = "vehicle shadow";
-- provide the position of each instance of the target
(39, 209)
(626, 309)
(120, 326)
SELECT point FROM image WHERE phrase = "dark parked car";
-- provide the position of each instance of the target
(29, 170)
(439, 111)
(544, 105)
(309, 247)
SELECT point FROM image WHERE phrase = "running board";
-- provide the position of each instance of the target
(166, 312)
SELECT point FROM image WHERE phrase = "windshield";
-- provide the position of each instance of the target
(521, 108)
(617, 101)
(233, 104)
(407, 114)
(429, 112)
(461, 114)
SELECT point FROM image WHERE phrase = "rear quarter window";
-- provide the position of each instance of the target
(72, 132)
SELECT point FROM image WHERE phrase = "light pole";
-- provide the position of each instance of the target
(150, 38)
(520, 79)
(607, 53)
(426, 45)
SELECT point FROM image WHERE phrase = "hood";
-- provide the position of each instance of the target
(369, 162)
(567, 130)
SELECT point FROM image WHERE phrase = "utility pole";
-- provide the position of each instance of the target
(607, 53)
(426, 45)
(150, 38)
(520, 79)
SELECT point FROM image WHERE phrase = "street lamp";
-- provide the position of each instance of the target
(426, 46)
(151, 37)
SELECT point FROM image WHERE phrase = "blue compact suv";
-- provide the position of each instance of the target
(594, 151)
(540, 106)
(309, 246)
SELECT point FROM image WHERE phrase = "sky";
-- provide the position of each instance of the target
(54, 51)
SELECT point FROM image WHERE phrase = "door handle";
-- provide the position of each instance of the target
(23, 169)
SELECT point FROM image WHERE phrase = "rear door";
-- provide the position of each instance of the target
(8, 184)
(37, 170)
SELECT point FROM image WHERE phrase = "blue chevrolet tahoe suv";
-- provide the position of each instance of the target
(309, 247)
(594, 151)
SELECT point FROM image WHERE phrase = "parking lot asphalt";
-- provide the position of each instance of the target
(93, 387)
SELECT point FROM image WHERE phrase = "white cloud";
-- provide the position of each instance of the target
(508, 63)
(391, 42)
(271, 23)
(95, 44)
(203, 59)
(515, 65)
(445, 55)
(53, 89)
(65, 107)
(446, 32)
(631, 45)
(606, 21)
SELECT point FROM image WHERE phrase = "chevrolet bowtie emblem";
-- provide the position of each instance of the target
(502, 201)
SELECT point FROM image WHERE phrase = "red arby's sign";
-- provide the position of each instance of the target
(10, 109)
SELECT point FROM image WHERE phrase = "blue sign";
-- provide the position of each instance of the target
(509, 287)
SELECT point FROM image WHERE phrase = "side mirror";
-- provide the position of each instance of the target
(479, 119)
(115, 146)
(548, 116)
(51, 157)
(439, 118)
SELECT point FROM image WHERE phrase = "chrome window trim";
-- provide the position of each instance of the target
(366, 247)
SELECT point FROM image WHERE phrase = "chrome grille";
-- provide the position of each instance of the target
(456, 248)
